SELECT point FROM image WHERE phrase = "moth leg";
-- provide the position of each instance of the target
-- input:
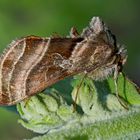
(116, 72)
(74, 33)
(76, 96)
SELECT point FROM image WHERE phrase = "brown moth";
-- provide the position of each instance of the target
(33, 63)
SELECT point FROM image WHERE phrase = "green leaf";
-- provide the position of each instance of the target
(125, 127)
(101, 115)
(127, 89)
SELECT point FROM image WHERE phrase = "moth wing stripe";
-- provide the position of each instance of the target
(37, 61)
(2, 59)
(22, 92)
(24, 46)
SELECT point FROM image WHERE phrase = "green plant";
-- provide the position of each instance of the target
(99, 114)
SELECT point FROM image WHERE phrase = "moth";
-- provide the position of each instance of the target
(31, 64)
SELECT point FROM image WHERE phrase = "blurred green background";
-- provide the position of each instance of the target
(45, 17)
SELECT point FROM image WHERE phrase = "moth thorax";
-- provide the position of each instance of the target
(102, 73)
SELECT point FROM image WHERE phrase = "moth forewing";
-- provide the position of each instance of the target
(35, 68)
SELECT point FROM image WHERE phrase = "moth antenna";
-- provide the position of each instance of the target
(116, 72)
(74, 33)
(75, 100)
